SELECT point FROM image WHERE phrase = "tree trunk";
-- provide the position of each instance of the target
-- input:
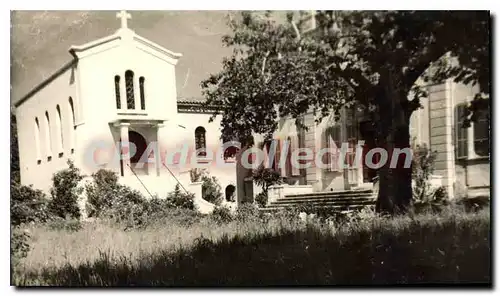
(395, 191)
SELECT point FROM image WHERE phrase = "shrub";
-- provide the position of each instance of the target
(168, 216)
(247, 212)
(19, 246)
(221, 215)
(261, 199)
(265, 177)
(27, 205)
(180, 199)
(211, 190)
(129, 207)
(473, 204)
(195, 175)
(424, 195)
(65, 192)
(61, 224)
(102, 192)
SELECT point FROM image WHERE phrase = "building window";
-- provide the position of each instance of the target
(230, 152)
(141, 88)
(117, 92)
(230, 193)
(37, 141)
(129, 86)
(271, 154)
(482, 134)
(333, 143)
(460, 132)
(60, 130)
(72, 124)
(200, 141)
(48, 142)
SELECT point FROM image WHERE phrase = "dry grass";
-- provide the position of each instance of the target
(453, 247)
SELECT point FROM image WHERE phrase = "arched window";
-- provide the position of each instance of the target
(60, 130)
(230, 189)
(37, 141)
(117, 92)
(271, 150)
(129, 86)
(48, 141)
(72, 124)
(143, 98)
(200, 141)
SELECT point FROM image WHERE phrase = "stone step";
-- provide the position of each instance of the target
(323, 203)
(335, 200)
(320, 198)
(338, 208)
(367, 192)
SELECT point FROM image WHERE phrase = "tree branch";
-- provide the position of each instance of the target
(297, 32)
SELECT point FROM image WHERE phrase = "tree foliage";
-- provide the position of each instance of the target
(65, 192)
(370, 60)
(14, 150)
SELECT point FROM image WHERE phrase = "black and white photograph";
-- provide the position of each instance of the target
(251, 148)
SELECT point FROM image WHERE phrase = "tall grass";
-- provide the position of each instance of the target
(453, 247)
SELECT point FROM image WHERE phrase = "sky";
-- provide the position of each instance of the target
(40, 41)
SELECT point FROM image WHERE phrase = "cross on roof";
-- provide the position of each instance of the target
(123, 15)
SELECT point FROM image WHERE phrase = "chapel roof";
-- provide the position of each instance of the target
(198, 37)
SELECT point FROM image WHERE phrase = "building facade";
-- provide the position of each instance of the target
(114, 106)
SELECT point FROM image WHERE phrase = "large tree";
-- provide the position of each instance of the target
(370, 60)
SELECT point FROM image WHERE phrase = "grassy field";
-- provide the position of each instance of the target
(453, 247)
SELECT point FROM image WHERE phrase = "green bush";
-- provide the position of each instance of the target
(168, 216)
(261, 199)
(180, 199)
(65, 192)
(102, 192)
(247, 212)
(425, 197)
(473, 204)
(211, 190)
(221, 215)
(195, 175)
(265, 177)
(19, 246)
(27, 205)
(69, 225)
(129, 207)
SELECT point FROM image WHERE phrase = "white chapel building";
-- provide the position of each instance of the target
(121, 89)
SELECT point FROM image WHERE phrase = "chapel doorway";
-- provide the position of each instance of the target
(138, 164)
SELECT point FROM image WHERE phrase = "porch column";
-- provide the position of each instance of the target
(125, 148)
(158, 163)
(343, 137)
